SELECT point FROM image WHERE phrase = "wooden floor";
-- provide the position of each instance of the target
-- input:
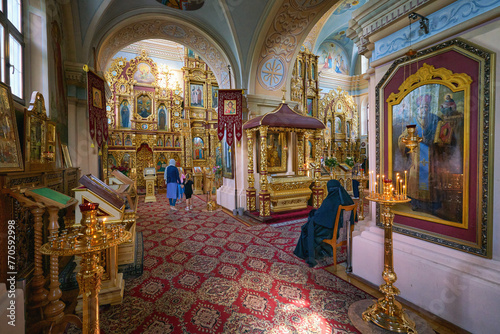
(439, 325)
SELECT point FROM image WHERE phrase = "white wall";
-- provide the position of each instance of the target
(458, 287)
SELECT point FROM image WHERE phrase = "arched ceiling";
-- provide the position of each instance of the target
(248, 35)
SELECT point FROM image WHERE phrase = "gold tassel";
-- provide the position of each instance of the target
(92, 145)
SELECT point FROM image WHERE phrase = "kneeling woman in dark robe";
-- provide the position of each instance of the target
(320, 224)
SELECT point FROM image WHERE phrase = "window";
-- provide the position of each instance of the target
(12, 46)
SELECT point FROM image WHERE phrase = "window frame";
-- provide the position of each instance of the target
(11, 30)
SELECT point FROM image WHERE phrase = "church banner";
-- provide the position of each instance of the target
(98, 122)
(230, 107)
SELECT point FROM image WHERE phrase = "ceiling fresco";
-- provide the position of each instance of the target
(183, 4)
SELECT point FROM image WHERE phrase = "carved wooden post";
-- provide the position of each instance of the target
(300, 148)
(54, 311)
(251, 178)
(264, 195)
(317, 190)
(39, 294)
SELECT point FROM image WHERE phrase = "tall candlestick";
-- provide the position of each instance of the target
(406, 184)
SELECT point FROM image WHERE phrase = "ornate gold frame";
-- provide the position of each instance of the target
(138, 118)
(456, 82)
(283, 142)
(477, 238)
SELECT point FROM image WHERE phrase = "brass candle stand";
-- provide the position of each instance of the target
(211, 204)
(386, 312)
(361, 178)
(87, 241)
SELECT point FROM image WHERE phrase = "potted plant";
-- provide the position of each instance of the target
(350, 161)
(331, 163)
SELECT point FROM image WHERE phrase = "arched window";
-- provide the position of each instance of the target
(11, 46)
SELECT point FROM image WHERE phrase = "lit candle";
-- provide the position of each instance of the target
(377, 190)
(401, 187)
(404, 192)
(406, 184)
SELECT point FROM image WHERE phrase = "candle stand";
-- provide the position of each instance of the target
(387, 312)
(87, 241)
(361, 178)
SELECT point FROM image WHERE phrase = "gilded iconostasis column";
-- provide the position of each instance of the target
(317, 189)
(300, 149)
(264, 195)
(214, 140)
(251, 178)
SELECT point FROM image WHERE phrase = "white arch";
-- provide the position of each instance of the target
(149, 26)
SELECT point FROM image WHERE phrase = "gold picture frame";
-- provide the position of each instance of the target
(277, 152)
(10, 148)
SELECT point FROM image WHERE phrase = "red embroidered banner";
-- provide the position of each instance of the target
(98, 122)
(229, 112)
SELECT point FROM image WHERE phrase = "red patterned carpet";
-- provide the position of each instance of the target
(208, 273)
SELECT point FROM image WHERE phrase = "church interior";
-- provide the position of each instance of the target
(341, 152)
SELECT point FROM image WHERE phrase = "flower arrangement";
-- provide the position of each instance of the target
(350, 161)
(331, 162)
(122, 169)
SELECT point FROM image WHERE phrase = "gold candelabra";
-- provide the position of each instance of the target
(87, 241)
(386, 312)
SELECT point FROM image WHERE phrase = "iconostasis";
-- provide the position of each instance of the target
(154, 118)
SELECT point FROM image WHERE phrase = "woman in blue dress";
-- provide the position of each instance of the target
(172, 179)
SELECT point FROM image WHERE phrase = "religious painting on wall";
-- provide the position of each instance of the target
(198, 146)
(218, 155)
(227, 159)
(333, 58)
(338, 124)
(124, 114)
(276, 152)
(10, 147)
(177, 142)
(127, 140)
(168, 141)
(117, 139)
(447, 173)
(144, 106)
(159, 141)
(435, 169)
(162, 117)
(309, 107)
(143, 74)
(161, 163)
(196, 93)
(215, 95)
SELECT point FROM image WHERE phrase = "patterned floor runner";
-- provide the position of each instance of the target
(205, 272)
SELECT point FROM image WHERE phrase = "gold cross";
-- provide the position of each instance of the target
(283, 99)
(424, 162)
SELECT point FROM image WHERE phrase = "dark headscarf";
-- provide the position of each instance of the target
(337, 195)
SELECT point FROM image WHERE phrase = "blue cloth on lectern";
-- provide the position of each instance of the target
(320, 224)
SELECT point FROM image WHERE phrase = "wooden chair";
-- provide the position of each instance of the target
(333, 242)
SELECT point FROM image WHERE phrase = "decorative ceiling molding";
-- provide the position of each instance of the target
(169, 29)
(374, 17)
(289, 25)
(159, 48)
(310, 41)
